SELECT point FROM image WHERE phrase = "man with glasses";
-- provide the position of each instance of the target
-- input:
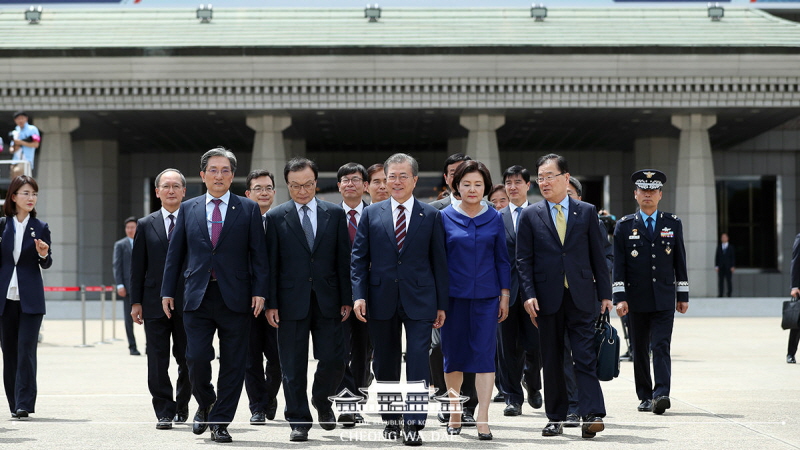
(400, 279)
(309, 252)
(518, 345)
(262, 384)
(218, 244)
(357, 347)
(150, 245)
(565, 280)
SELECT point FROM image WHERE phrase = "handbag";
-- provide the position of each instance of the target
(791, 314)
(607, 346)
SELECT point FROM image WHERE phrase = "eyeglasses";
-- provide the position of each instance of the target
(403, 178)
(167, 187)
(354, 180)
(215, 172)
(28, 194)
(548, 178)
(299, 187)
(262, 188)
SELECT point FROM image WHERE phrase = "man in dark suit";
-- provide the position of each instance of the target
(218, 244)
(563, 273)
(147, 269)
(262, 383)
(357, 346)
(649, 274)
(309, 253)
(725, 263)
(518, 350)
(400, 278)
(122, 277)
(794, 333)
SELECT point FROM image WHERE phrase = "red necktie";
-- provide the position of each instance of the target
(351, 226)
(400, 227)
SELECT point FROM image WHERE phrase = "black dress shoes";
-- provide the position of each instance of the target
(535, 399)
(200, 423)
(14, 415)
(645, 406)
(485, 436)
(299, 434)
(347, 420)
(513, 409)
(327, 420)
(453, 431)
(553, 429)
(661, 404)
(391, 431)
(573, 421)
(790, 359)
(271, 409)
(358, 417)
(499, 398)
(22, 414)
(219, 433)
(591, 426)
(164, 423)
(467, 420)
(181, 416)
(135, 352)
(443, 417)
(411, 436)
(258, 418)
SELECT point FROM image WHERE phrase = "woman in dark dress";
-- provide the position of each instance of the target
(480, 273)
(24, 251)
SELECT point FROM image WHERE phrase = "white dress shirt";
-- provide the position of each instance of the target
(19, 233)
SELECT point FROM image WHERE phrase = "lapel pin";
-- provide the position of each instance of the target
(33, 234)
(233, 207)
(420, 214)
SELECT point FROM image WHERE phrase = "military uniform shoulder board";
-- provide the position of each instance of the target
(628, 217)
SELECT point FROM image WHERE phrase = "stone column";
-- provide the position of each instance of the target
(655, 153)
(269, 151)
(58, 198)
(482, 140)
(695, 200)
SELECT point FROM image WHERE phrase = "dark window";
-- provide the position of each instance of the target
(747, 212)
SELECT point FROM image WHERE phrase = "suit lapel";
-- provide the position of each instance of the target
(234, 211)
(198, 210)
(292, 219)
(159, 228)
(508, 223)
(388, 222)
(543, 209)
(574, 213)
(323, 217)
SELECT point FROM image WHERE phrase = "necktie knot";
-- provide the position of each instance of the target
(216, 201)
(401, 208)
(171, 217)
(519, 209)
(558, 207)
(353, 213)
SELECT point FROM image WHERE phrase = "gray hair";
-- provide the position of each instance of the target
(219, 151)
(158, 177)
(401, 158)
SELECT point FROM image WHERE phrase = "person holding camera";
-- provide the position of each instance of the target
(25, 139)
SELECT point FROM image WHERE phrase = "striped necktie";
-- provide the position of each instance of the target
(400, 227)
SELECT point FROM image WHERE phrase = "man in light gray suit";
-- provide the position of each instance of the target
(122, 277)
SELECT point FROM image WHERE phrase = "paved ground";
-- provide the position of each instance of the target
(732, 389)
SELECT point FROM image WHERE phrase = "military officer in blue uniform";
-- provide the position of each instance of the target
(649, 276)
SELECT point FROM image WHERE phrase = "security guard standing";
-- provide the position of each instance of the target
(649, 274)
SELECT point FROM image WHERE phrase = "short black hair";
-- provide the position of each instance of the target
(351, 168)
(130, 219)
(517, 170)
(258, 174)
(469, 167)
(577, 185)
(561, 162)
(297, 164)
(454, 158)
(372, 170)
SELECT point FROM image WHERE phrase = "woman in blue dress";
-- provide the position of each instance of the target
(480, 273)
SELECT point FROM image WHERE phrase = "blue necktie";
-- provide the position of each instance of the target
(308, 230)
(650, 229)
(516, 222)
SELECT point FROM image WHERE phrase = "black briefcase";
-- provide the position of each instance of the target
(607, 346)
(791, 314)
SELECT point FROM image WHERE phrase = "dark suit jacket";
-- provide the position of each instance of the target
(239, 251)
(796, 263)
(147, 267)
(29, 265)
(543, 261)
(727, 259)
(511, 245)
(650, 274)
(122, 263)
(296, 269)
(415, 276)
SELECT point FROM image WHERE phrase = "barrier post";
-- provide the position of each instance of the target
(83, 318)
(102, 316)
(114, 314)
